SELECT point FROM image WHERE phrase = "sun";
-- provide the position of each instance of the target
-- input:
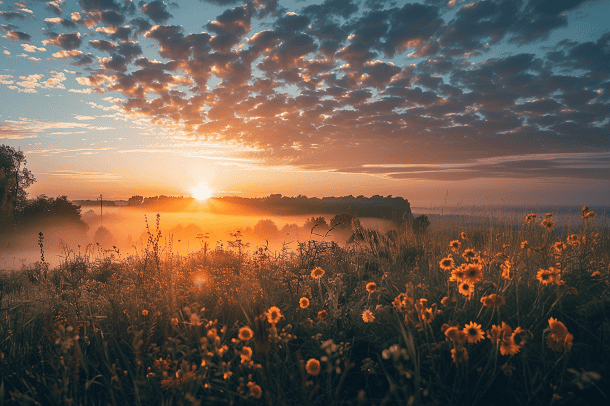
(202, 191)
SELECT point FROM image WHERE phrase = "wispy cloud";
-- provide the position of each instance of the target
(86, 176)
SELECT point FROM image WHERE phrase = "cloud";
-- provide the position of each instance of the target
(86, 176)
(18, 36)
(65, 41)
(30, 128)
(32, 48)
(156, 11)
(448, 87)
(55, 6)
(59, 20)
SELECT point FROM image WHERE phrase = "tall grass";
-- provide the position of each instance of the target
(157, 328)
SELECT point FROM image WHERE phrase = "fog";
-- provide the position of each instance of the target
(126, 231)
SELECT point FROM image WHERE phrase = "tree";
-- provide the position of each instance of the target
(15, 178)
(46, 211)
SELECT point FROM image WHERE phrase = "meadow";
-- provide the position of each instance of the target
(486, 313)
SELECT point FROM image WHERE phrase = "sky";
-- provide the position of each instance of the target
(440, 102)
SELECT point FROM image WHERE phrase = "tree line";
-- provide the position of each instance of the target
(17, 212)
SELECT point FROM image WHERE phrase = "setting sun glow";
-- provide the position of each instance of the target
(202, 191)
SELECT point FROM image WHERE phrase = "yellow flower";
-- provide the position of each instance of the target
(245, 333)
(472, 273)
(304, 303)
(273, 315)
(492, 300)
(456, 335)
(530, 217)
(255, 391)
(507, 369)
(463, 235)
(246, 354)
(447, 264)
(175, 321)
(459, 354)
(466, 289)
(144, 312)
(317, 273)
(322, 314)
(474, 332)
(402, 302)
(548, 276)
(457, 274)
(469, 254)
(524, 245)
(548, 223)
(371, 287)
(367, 316)
(506, 267)
(313, 367)
(455, 245)
(448, 301)
(559, 329)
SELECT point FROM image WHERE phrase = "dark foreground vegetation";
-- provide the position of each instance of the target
(488, 315)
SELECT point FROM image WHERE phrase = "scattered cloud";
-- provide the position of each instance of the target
(438, 90)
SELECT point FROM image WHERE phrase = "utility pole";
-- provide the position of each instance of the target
(101, 212)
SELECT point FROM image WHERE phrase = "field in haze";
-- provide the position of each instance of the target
(179, 230)
(487, 311)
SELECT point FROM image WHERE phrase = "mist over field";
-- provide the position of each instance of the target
(125, 230)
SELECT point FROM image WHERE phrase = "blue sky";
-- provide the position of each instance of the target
(496, 101)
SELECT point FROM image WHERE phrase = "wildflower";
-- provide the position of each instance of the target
(524, 245)
(245, 354)
(558, 328)
(459, 354)
(466, 289)
(474, 333)
(530, 217)
(585, 208)
(507, 369)
(313, 367)
(472, 273)
(548, 276)
(367, 316)
(559, 247)
(427, 315)
(175, 321)
(273, 315)
(245, 333)
(507, 267)
(469, 254)
(447, 264)
(574, 240)
(371, 287)
(508, 346)
(493, 300)
(322, 314)
(548, 223)
(448, 301)
(455, 245)
(456, 335)
(304, 303)
(463, 235)
(144, 312)
(457, 274)
(317, 273)
(596, 273)
(402, 302)
(590, 215)
(255, 391)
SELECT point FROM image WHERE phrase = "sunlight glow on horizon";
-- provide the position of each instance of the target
(202, 191)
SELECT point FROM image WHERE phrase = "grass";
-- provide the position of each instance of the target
(156, 328)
